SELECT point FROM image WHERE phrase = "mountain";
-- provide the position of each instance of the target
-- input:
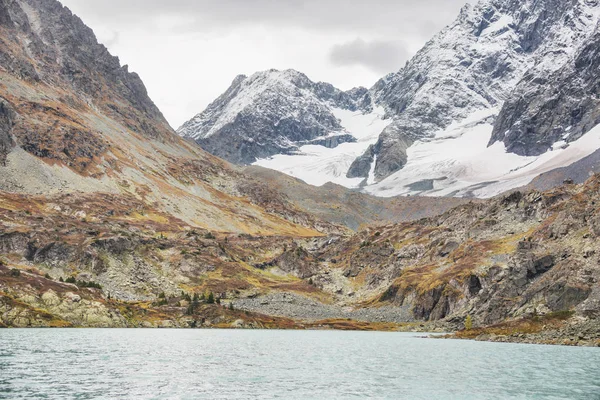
(462, 117)
(273, 112)
(284, 121)
(559, 107)
(472, 71)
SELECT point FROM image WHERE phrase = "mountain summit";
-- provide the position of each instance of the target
(273, 112)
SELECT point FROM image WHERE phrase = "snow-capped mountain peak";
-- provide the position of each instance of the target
(273, 112)
(475, 64)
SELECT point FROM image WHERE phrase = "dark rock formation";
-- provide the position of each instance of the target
(6, 126)
(361, 167)
(331, 142)
(544, 110)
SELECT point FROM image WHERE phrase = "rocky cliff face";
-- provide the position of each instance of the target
(272, 112)
(521, 254)
(44, 42)
(553, 110)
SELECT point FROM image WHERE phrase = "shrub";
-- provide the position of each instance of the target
(190, 310)
(162, 295)
(210, 236)
(211, 298)
(231, 306)
(15, 273)
(47, 276)
(192, 232)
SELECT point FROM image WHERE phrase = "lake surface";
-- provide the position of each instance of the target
(214, 364)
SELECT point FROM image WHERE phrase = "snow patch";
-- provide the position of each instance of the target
(460, 163)
(371, 179)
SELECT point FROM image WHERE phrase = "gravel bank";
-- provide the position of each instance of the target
(302, 308)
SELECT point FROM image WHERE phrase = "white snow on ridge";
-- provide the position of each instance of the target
(317, 165)
(457, 162)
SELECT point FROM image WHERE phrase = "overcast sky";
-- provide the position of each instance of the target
(188, 51)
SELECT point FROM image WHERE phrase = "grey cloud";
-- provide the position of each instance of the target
(360, 16)
(380, 56)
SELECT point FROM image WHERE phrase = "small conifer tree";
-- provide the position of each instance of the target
(211, 298)
(468, 323)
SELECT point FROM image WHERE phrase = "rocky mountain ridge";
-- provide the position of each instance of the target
(557, 108)
(273, 112)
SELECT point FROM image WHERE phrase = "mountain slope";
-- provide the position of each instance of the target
(73, 120)
(356, 210)
(524, 266)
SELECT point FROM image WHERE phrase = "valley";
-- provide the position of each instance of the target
(290, 204)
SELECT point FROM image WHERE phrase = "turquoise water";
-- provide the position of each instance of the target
(207, 364)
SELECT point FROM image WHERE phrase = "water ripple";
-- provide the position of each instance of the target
(179, 364)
